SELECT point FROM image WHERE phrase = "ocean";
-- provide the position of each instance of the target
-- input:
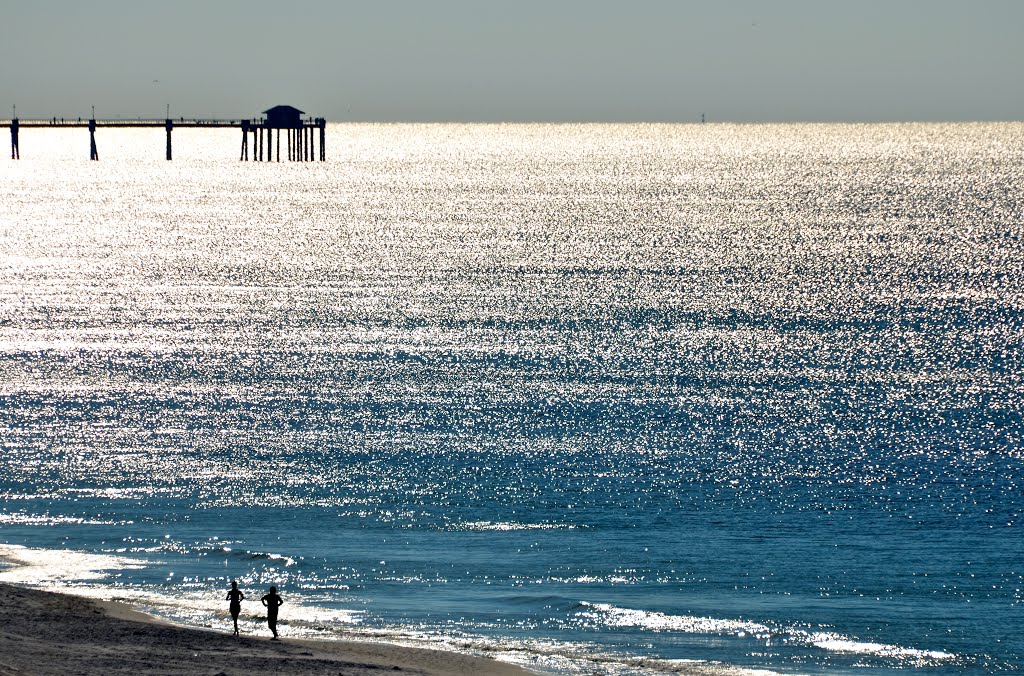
(593, 399)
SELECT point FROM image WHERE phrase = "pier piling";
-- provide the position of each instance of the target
(170, 125)
(245, 141)
(93, 154)
(323, 139)
(15, 153)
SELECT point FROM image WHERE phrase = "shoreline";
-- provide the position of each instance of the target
(52, 632)
(53, 628)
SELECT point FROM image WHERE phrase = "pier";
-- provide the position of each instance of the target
(301, 145)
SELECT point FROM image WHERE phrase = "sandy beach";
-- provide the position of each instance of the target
(55, 633)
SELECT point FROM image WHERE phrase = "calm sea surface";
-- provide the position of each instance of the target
(599, 399)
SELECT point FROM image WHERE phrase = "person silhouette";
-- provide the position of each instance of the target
(236, 596)
(272, 601)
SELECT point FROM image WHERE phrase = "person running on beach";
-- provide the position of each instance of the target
(272, 601)
(236, 596)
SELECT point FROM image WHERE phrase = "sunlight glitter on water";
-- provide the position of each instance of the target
(696, 371)
(41, 567)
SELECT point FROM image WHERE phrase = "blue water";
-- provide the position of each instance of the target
(587, 398)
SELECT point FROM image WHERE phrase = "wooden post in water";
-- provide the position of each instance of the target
(15, 153)
(245, 141)
(278, 145)
(93, 154)
(323, 139)
(168, 125)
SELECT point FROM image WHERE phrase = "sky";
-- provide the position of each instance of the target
(517, 61)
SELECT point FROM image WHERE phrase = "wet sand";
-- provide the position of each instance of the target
(54, 633)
